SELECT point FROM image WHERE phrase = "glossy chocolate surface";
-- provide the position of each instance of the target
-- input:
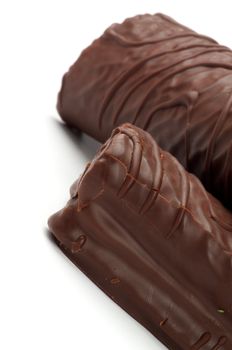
(150, 236)
(165, 78)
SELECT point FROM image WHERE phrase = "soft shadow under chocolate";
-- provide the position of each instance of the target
(51, 237)
(80, 140)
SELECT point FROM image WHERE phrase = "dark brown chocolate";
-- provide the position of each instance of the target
(165, 78)
(150, 236)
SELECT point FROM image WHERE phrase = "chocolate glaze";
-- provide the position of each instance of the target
(165, 78)
(150, 236)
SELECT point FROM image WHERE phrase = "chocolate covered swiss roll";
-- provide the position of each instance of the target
(165, 78)
(150, 236)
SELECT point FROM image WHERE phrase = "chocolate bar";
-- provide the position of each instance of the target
(165, 78)
(150, 236)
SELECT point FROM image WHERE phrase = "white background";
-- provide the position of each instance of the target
(45, 302)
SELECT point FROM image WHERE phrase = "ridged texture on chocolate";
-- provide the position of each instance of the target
(150, 236)
(168, 80)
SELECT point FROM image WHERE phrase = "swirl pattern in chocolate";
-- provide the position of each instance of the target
(150, 236)
(165, 78)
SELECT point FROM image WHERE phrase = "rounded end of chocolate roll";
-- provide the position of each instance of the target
(63, 225)
(59, 104)
(65, 113)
